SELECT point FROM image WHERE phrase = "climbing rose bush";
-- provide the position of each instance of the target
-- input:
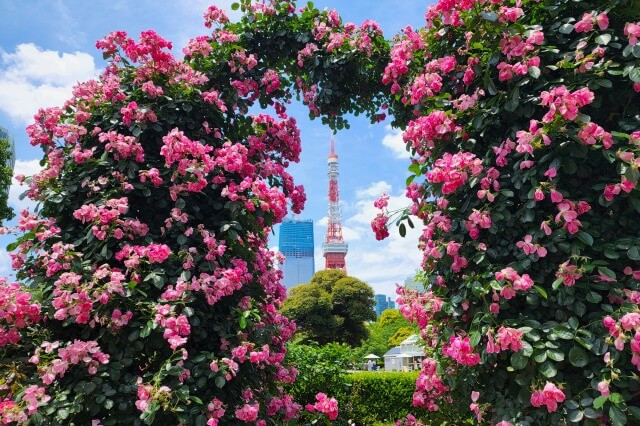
(524, 131)
(149, 294)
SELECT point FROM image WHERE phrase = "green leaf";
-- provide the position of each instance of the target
(635, 411)
(518, 360)
(542, 291)
(633, 253)
(556, 284)
(235, 6)
(599, 401)
(575, 416)
(634, 75)
(540, 357)
(555, 354)
(611, 253)
(599, 347)
(603, 39)
(220, 381)
(563, 332)
(578, 357)
(474, 338)
(617, 416)
(585, 238)
(548, 369)
(403, 230)
(534, 72)
(616, 398)
(566, 28)
(593, 297)
(573, 322)
(606, 272)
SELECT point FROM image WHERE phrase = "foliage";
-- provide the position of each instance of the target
(400, 335)
(6, 172)
(381, 331)
(525, 145)
(312, 309)
(320, 369)
(332, 307)
(391, 317)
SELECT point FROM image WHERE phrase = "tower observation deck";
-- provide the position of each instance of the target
(334, 249)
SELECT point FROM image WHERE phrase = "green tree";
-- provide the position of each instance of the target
(6, 172)
(391, 316)
(381, 331)
(312, 309)
(332, 307)
(400, 335)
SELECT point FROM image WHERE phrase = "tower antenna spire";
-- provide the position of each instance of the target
(334, 248)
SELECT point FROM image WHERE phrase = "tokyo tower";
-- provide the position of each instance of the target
(334, 249)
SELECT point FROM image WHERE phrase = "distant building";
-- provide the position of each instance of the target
(407, 356)
(383, 303)
(296, 244)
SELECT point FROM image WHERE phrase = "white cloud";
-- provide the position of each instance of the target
(375, 189)
(348, 233)
(26, 168)
(393, 140)
(381, 264)
(32, 78)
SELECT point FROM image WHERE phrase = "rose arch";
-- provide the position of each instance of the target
(148, 293)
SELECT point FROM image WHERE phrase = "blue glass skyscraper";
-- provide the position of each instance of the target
(383, 303)
(296, 244)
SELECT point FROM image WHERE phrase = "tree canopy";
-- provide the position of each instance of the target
(332, 307)
(6, 173)
(381, 332)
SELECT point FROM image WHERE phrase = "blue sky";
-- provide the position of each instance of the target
(48, 45)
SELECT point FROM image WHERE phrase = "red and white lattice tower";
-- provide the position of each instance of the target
(334, 249)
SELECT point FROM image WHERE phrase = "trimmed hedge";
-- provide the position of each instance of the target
(379, 397)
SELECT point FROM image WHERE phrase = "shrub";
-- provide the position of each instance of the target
(320, 369)
(377, 397)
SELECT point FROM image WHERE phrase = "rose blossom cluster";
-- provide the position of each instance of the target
(17, 311)
(513, 282)
(461, 351)
(507, 339)
(422, 133)
(431, 390)
(549, 396)
(324, 405)
(453, 170)
(626, 328)
(51, 366)
(18, 413)
(176, 328)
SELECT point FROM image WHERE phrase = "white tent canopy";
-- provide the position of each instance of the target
(371, 356)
